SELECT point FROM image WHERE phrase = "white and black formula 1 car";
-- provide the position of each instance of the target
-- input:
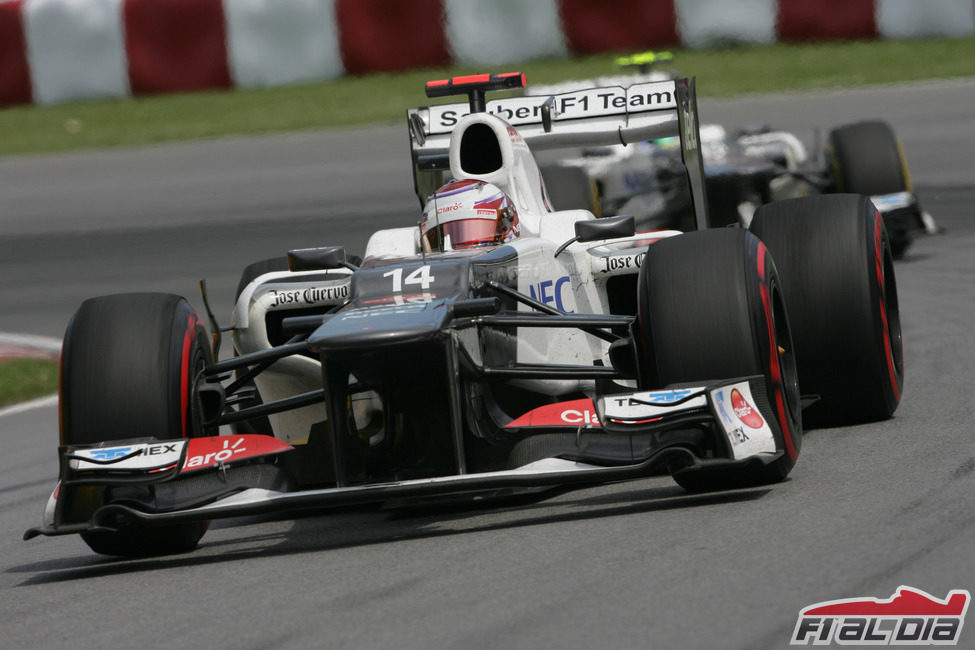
(497, 346)
(745, 168)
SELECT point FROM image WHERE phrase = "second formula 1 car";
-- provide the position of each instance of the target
(745, 168)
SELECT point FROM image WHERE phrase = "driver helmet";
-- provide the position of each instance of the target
(466, 214)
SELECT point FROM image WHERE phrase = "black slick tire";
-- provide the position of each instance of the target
(710, 307)
(867, 158)
(837, 268)
(128, 366)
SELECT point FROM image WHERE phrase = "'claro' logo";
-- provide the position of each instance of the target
(745, 411)
(221, 455)
(573, 416)
(453, 207)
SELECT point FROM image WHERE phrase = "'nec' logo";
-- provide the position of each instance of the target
(551, 291)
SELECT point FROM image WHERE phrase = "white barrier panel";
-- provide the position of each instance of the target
(503, 31)
(76, 49)
(919, 18)
(712, 22)
(274, 42)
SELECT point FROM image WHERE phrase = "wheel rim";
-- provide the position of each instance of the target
(888, 312)
(891, 312)
(785, 351)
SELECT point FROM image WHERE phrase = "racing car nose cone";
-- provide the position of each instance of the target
(384, 325)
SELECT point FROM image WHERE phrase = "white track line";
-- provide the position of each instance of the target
(40, 402)
(43, 343)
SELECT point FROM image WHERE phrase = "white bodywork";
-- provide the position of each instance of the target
(285, 290)
(573, 282)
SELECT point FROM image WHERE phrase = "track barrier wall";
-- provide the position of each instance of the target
(54, 51)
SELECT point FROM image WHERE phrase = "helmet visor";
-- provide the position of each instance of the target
(465, 233)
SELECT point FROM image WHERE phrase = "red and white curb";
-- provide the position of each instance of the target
(28, 345)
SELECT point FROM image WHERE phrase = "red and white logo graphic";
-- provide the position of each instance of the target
(211, 451)
(909, 617)
(747, 413)
(580, 412)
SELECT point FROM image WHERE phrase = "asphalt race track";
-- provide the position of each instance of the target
(630, 565)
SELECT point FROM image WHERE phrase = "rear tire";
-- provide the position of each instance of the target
(129, 363)
(710, 307)
(867, 158)
(837, 271)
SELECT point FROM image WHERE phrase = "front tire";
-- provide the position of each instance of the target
(837, 268)
(128, 367)
(710, 307)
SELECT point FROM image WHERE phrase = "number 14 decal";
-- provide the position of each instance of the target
(420, 276)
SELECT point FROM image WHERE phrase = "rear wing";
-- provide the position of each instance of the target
(589, 117)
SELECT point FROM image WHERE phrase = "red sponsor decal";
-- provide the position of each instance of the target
(515, 136)
(745, 411)
(449, 208)
(202, 453)
(575, 413)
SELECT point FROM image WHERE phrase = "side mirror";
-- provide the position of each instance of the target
(623, 225)
(315, 259)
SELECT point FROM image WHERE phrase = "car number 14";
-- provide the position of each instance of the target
(420, 276)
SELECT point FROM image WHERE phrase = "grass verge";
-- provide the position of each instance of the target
(382, 98)
(24, 379)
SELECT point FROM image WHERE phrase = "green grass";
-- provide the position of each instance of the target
(24, 379)
(382, 98)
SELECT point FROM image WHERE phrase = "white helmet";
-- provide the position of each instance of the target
(468, 213)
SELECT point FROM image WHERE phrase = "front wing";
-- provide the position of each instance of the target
(157, 483)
